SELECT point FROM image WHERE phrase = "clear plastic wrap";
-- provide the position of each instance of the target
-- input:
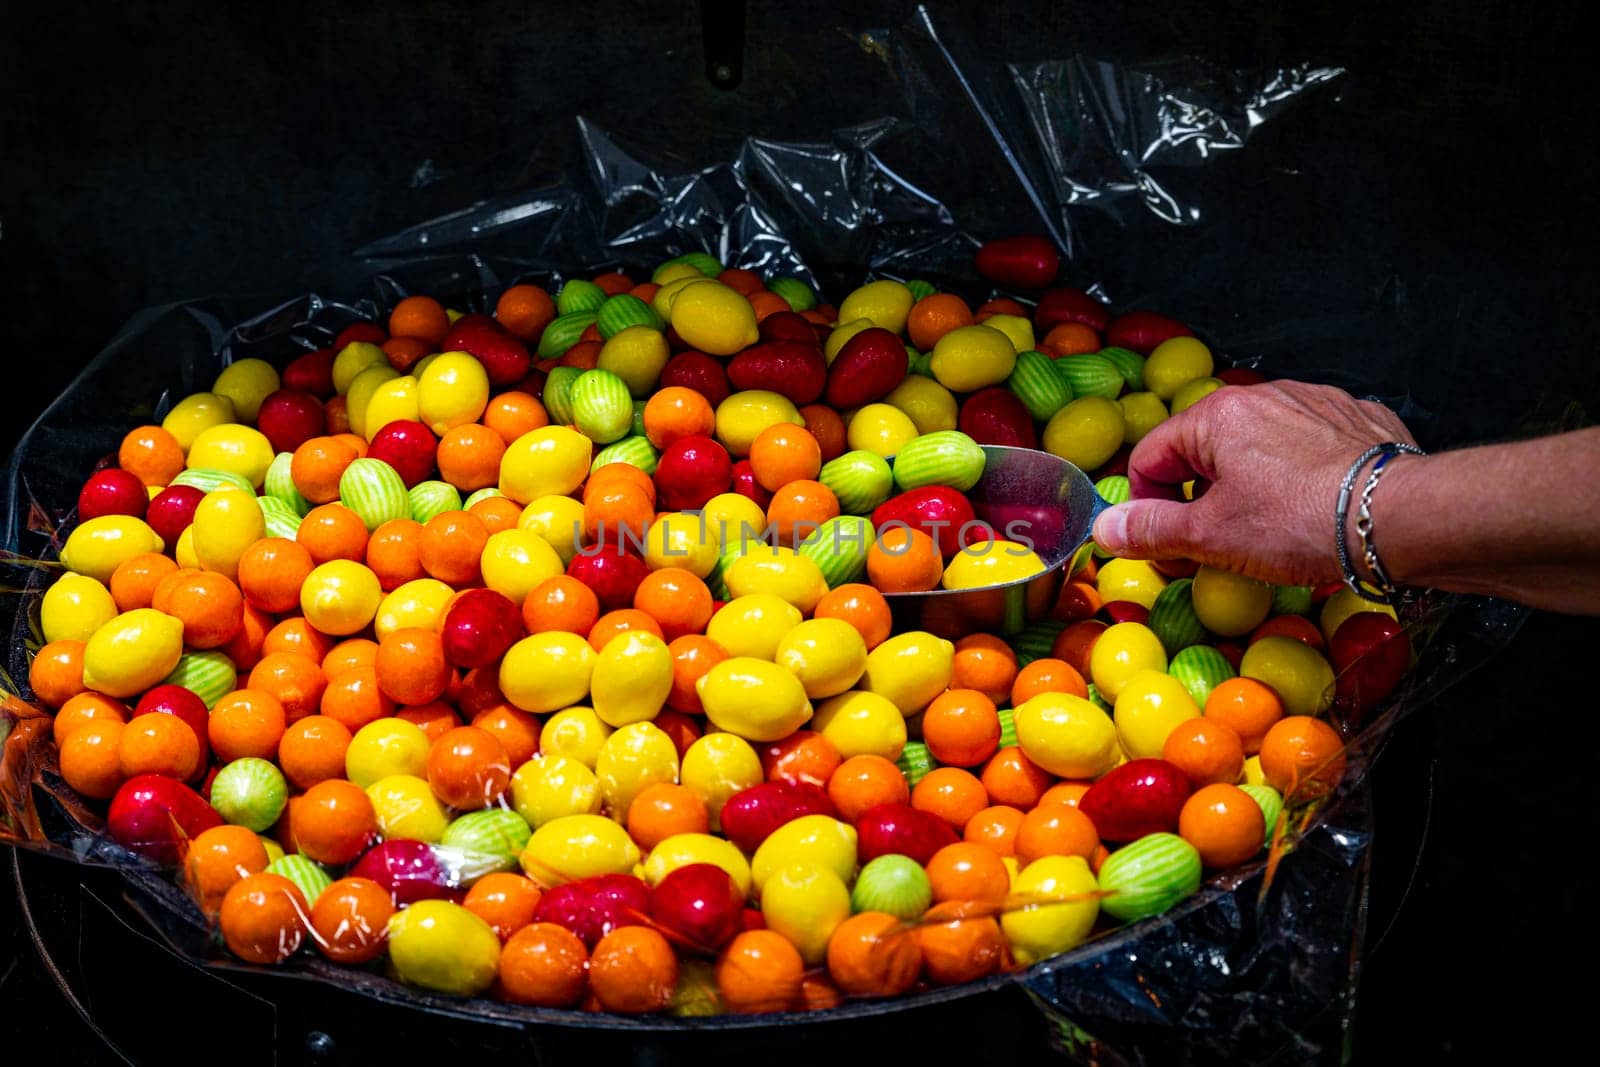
(1136, 172)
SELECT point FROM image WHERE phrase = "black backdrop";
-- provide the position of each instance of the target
(151, 152)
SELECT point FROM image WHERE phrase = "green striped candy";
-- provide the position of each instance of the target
(1008, 728)
(1097, 700)
(796, 293)
(717, 580)
(482, 494)
(433, 498)
(280, 485)
(1291, 600)
(1091, 375)
(1200, 669)
(1149, 876)
(1271, 804)
(624, 310)
(635, 451)
(860, 479)
(307, 876)
(563, 333)
(209, 481)
(1036, 641)
(839, 548)
(250, 792)
(637, 429)
(912, 355)
(920, 289)
(602, 407)
(1172, 617)
(703, 262)
(915, 762)
(558, 394)
(1080, 559)
(488, 840)
(1114, 488)
(1129, 364)
(923, 364)
(944, 457)
(1035, 381)
(375, 491)
(280, 518)
(208, 675)
(579, 295)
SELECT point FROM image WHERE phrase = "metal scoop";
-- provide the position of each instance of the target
(1027, 496)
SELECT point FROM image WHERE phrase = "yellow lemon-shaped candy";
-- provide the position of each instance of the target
(230, 447)
(632, 677)
(546, 671)
(226, 523)
(819, 840)
(716, 767)
(183, 551)
(557, 519)
(386, 747)
(806, 904)
(674, 280)
(1150, 706)
(418, 604)
(406, 807)
(247, 383)
(881, 429)
(910, 669)
(514, 561)
(992, 562)
(754, 698)
(859, 723)
(930, 406)
(578, 846)
(636, 355)
(1130, 579)
(549, 461)
(195, 413)
(1053, 907)
(360, 395)
(1174, 363)
(846, 329)
(97, 546)
(1297, 672)
(1086, 432)
(452, 392)
(1018, 330)
(680, 850)
(551, 785)
(682, 539)
(884, 303)
(1141, 413)
(74, 607)
(577, 732)
(132, 652)
(714, 319)
(1066, 735)
(1121, 652)
(780, 571)
(753, 625)
(969, 358)
(340, 597)
(1192, 392)
(438, 945)
(827, 655)
(394, 400)
(1229, 604)
(636, 756)
(352, 359)
(741, 417)
(732, 518)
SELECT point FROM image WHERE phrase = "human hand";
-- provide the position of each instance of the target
(1267, 461)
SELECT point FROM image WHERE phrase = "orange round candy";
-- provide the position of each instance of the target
(419, 316)
(959, 948)
(995, 828)
(356, 653)
(1074, 644)
(934, 316)
(514, 728)
(133, 583)
(246, 722)
(784, 453)
(1012, 778)
(1302, 757)
(504, 900)
(219, 857)
(514, 413)
(676, 412)
(496, 513)
(451, 547)
(355, 699)
(863, 782)
(861, 606)
(817, 990)
(1206, 751)
(297, 635)
(56, 673)
(967, 871)
(985, 663)
(797, 509)
(295, 680)
(210, 606)
(434, 720)
(614, 624)
(159, 744)
(152, 454)
(662, 810)
(350, 920)
(676, 599)
(1069, 339)
(333, 822)
(544, 965)
(317, 464)
(83, 708)
(1069, 792)
(824, 423)
(1047, 676)
(633, 970)
(332, 531)
(264, 918)
(693, 656)
(873, 954)
(468, 768)
(469, 457)
(91, 758)
(1250, 707)
(952, 794)
(410, 666)
(312, 750)
(759, 971)
(525, 310)
(1055, 830)
(394, 553)
(961, 727)
(804, 756)
(904, 560)
(1224, 824)
(271, 572)
(560, 604)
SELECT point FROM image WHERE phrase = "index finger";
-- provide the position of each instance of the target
(1168, 456)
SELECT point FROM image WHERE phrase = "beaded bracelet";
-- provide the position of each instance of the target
(1369, 552)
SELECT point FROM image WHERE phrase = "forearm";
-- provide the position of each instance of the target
(1520, 520)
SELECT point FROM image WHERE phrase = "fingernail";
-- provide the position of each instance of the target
(1111, 529)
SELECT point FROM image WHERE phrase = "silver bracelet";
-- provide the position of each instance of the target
(1386, 589)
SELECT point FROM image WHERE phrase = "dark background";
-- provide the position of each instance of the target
(156, 152)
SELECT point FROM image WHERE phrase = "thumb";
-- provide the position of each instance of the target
(1145, 529)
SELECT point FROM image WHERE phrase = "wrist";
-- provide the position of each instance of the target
(1363, 568)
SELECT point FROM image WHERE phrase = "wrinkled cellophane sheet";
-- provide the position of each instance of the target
(1146, 176)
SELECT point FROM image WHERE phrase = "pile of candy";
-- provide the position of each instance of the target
(546, 654)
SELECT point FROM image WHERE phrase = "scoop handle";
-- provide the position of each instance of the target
(1100, 504)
